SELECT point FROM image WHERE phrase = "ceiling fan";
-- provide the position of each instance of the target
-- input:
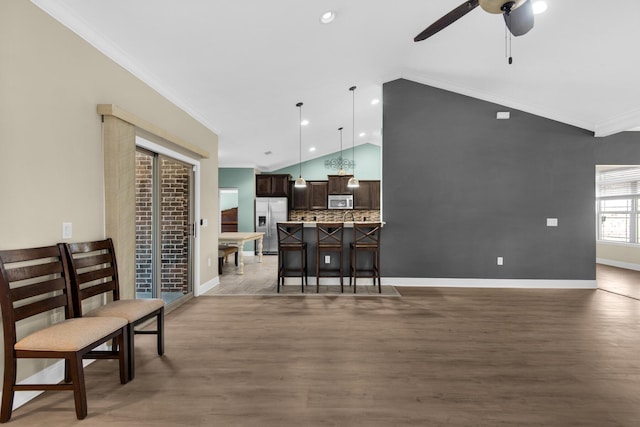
(518, 16)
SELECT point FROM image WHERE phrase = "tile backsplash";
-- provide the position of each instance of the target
(334, 215)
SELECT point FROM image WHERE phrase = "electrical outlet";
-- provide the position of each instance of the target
(327, 259)
(500, 260)
(208, 262)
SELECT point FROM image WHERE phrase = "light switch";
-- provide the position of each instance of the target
(67, 230)
(552, 222)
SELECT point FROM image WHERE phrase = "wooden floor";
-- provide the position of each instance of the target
(433, 357)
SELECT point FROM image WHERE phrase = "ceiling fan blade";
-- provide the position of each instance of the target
(520, 20)
(447, 20)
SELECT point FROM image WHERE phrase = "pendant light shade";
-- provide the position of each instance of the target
(353, 181)
(300, 182)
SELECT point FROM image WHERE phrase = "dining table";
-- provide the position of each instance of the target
(239, 238)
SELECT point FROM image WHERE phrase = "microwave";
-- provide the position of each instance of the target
(340, 201)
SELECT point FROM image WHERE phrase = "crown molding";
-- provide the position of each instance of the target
(61, 13)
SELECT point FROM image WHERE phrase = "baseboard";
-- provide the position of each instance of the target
(619, 264)
(208, 285)
(490, 283)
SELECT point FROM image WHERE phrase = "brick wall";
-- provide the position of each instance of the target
(144, 168)
(174, 219)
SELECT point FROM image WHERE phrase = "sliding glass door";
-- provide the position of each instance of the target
(164, 226)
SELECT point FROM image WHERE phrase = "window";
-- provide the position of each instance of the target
(618, 205)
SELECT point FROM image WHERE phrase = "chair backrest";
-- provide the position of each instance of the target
(32, 281)
(329, 233)
(367, 234)
(290, 234)
(92, 270)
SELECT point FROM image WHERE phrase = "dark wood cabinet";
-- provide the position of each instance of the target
(318, 191)
(298, 197)
(313, 196)
(272, 185)
(367, 196)
(338, 184)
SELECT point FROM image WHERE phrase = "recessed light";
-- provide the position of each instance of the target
(375, 101)
(539, 7)
(304, 122)
(312, 149)
(328, 17)
(362, 134)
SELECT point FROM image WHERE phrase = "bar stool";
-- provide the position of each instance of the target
(329, 241)
(291, 240)
(366, 238)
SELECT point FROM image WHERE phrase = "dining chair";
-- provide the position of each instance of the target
(366, 239)
(290, 241)
(34, 282)
(329, 237)
(94, 272)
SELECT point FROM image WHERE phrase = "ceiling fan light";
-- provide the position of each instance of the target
(539, 7)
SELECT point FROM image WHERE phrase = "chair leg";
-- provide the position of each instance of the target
(160, 331)
(122, 342)
(67, 373)
(355, 269)
(132, 351)
(378, 271)
(79, 390)
(341, 274)
(302, 269)
(7, 390)
(318, 256)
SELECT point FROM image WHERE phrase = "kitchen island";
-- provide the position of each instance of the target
(311, 239)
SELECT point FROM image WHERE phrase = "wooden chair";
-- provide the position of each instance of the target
(94, 271)
(366, 238)
(291, 240)
(35, 281)
(329, 240)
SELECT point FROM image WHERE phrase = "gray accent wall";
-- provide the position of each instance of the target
(461, 188)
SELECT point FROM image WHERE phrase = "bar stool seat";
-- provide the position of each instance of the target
(329, 240)
(290, 241)
(366, 238)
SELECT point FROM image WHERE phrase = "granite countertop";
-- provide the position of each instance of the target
(347, 224)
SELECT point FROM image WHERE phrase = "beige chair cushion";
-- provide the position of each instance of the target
(130, 309)
(71, 334)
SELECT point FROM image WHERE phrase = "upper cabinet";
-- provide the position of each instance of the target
(367, 195)
(272, 185)
(313, 196)
(338, 184)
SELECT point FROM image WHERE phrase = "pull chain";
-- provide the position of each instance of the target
(507, 44)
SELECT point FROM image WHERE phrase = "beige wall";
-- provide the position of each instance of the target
(618, 255)
(51, 154)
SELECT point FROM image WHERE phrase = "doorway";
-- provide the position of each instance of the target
(165, 228)
(228, 202)
(618, 229)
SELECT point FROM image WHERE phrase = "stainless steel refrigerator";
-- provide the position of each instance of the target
(270, 211)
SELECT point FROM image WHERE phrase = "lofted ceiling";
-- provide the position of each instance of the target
(240, 66)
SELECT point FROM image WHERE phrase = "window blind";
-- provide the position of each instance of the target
(618, 182)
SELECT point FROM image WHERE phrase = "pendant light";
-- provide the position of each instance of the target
(300, 182)
(353, 181)
(341, 162)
